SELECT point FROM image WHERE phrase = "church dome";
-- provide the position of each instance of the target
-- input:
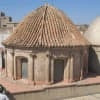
(93, 33)
(46, 27)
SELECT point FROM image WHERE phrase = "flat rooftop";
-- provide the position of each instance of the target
(23, 86)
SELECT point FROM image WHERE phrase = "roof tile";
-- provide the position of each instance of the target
(46, 27)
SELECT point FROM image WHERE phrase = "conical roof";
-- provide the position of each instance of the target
(93, 33)
(46, 27)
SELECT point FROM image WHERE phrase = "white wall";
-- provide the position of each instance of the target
(3, 36)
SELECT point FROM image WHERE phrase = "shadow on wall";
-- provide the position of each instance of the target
(10, 96)
(94, 63)
(3, 60)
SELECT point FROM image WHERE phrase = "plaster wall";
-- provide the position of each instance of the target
(77, 66)
(41, 66)
(57, 93)
(41, 63)
(3, 36)
(1, 59)
(10, 62)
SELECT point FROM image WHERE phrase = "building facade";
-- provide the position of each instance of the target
(6, 28)
(93, 36)
(46, 48)
(6, 21)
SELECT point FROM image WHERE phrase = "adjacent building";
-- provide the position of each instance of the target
(93, 36)
(6, 21)
(82, 28)
(4, 33)
(6, 28)
(46, 48)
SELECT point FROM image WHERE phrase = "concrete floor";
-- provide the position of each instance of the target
(89, 97)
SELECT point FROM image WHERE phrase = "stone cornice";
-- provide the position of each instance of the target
(33, 55)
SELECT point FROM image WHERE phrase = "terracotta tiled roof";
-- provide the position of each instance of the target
(46, 27)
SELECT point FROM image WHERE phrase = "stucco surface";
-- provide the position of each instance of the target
(41, 64)
(93, 32)
(87, 97)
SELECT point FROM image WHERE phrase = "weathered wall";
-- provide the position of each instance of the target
(10, 63)
(77, 65)
(57, 93)
(41, 67)
(3, 35)
(1, 62)
(41, 63)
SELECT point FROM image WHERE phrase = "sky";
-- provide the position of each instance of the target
(80, 11)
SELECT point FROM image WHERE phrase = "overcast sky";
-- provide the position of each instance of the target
(80, 11)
